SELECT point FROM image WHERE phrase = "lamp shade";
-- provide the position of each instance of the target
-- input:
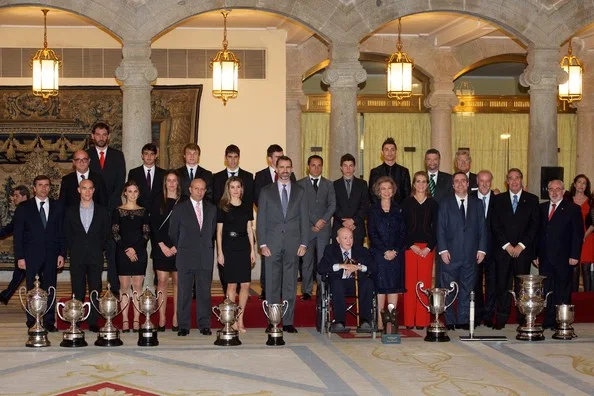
(571, 90)
(46, 73)
(225, 76)
(399, 79)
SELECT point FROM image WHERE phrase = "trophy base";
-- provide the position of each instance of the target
(147, 337)
(275, 339)
(108, 339)
(564, 334)
(437, 333)
(227, 339)
(70, 340)
(38, 339)
(525, 333)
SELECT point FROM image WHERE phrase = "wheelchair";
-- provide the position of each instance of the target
(324, 318)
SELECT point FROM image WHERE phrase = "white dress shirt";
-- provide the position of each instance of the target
(79, 176)
(46, 206)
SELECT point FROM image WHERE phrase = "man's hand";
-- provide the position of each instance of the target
(21, 264)
(301, 251)
(320, 224)
(265, 251)
(480, 256)
(518, 249)
(535, 262)
(510, 250)
(445, 257)
(390, 255)
(573, 261)
(348, 223)
(60, 262)
(350, 268)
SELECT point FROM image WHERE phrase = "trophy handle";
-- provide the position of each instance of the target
(58, 310)
(214, 309)
(286, 306)
(22, 303)
(239, 313)
(134, 294)
(85, 317)
(513, 293)
(420, 285)
(120, 302)
(265, 308)
(453, 286)
(91, 299)
(162, 300)
(53, 299)
(546, 298)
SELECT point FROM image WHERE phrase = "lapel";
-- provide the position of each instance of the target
(293, 196)
(276, 196)
(52, 210)
(93, 220)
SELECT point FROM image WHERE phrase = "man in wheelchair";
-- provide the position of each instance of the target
(342, 263)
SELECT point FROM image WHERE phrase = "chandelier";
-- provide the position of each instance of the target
(46, 67)
(571, 90)
(225, 67)
(399, 69)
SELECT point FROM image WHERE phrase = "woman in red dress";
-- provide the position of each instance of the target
(581, 194)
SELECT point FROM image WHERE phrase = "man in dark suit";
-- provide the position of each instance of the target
(352, 201)
(514, 226)
(263, 178)
(148, 177)
(109, 162)
(191, 170)
(462, 163)
(560, 238)
(440, 183)
(192, 227)
(19, 194)
(87, 227)
(462, 244)
(342, 279)
(39, 242)
(321, 202)
(398, 173)
(282, 228)
(69, 194)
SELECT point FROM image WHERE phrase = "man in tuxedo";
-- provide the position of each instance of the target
(283, 230)
(109, 162)
(514, 225)
(462, 244)
(191, 170)
(462, 163)
(342, 279)
(39, 242)
(321, 202)
(192, 228)
(69, 194)
(485, 271)
(87, 227)
(263, 178)
(19, 194)
(352, 201)
(440, 183)
(148, 177)
(560, 238)
(398, 173)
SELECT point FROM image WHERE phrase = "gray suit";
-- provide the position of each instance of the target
(194, 261)
(321, 205)
(282, 235)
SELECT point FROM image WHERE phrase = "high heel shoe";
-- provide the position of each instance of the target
(134, 328)
(125, 326)
(161, 328)
(174, 328)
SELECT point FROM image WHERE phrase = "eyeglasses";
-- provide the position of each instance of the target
(81, 159)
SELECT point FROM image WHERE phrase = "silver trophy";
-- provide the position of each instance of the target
(436, 331)
(228, 313)
(531, 301)
(147, 305)
(73, 311)
(275, 313)
(564, 315)
(37, 307)
(108, 335)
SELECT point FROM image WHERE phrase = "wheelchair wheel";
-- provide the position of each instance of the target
(320, 314)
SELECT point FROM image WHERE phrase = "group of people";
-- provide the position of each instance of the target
(475, 236)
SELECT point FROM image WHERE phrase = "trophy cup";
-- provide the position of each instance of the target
(37, 307)
(73, 312)
(564, 315)
(530, 301)
(228, 314)
(147, 305)
(108, 335)
(436, 331)
(274, 315)
(390, 315)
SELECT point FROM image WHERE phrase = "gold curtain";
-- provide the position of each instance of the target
(315, 129)
(408, 130)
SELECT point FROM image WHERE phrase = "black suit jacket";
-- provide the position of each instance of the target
(560, 238)
(146, 197)
(401, 177)
(354, 207)
(89, 245)
(262, 179)
(114, 174)
(70, 196)
(472, 182)
(220, 178)
(201, 173)
(444, 186)
(333, 255)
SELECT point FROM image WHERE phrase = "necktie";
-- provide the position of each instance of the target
(515, 203)
(485, 205)
(148, 179)
(199, 214)
(275, 176)
(432, 185)
(285, 200)
(42, 214)
(233, 174)
(315, 184)
(191, 174)
(462, 211)
(346, 256)
(348, 187)
(553, 207)
(102, 159)
(82, 177)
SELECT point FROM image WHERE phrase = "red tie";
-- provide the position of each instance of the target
(102, 159)
(553, 207)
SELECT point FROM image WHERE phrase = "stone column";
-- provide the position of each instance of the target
(295, 98)
(585, 121)
(441, 101)
(343, 76)
(543, 76)
(136, 73)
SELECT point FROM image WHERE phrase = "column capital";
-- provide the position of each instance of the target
(543, 71)
(442, 96)
(345, 70)
(136, 69)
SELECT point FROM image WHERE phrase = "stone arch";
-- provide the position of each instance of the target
(513, 58)
(569, 19)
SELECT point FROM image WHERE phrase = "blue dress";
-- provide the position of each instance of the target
(387, 232)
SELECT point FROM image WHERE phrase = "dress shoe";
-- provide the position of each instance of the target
(175, 328)
(94, 328)
(205, 331)
(410, 327)
(268, 328)
(451, 327)
(547, 326)
(364, 327)
(463, 326)
(290, 329)
(420, 328)
(498, 326)
(338, 327)
(488, 323)
(161, 328)
(51, 328)
(306, 297)
(183, 332)
(3, 299)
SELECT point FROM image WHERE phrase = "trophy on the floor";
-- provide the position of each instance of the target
(147, 305)
(531, 301)
(436, 331)
(108, 335)
(37, 307)
(564, 315)
(390, 316)
(275, 313)
(228, 313)
(73, 311)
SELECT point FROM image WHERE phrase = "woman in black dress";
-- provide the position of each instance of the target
(164, 252)
(130, 229)
(235, 243)
(386, 236)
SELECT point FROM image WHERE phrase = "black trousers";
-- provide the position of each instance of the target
(341, 288)
(85, 272)
(559, 282)
(47, 272)
(485, 296)
(18, 275)
(507, 268)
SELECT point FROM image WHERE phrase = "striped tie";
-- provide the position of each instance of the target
(432, 185)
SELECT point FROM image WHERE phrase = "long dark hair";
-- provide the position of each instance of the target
(173, 172)
(587, 191)
(225, 202)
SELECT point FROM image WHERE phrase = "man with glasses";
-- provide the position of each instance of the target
(69, 194)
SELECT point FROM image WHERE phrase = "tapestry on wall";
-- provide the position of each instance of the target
(39, 136)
